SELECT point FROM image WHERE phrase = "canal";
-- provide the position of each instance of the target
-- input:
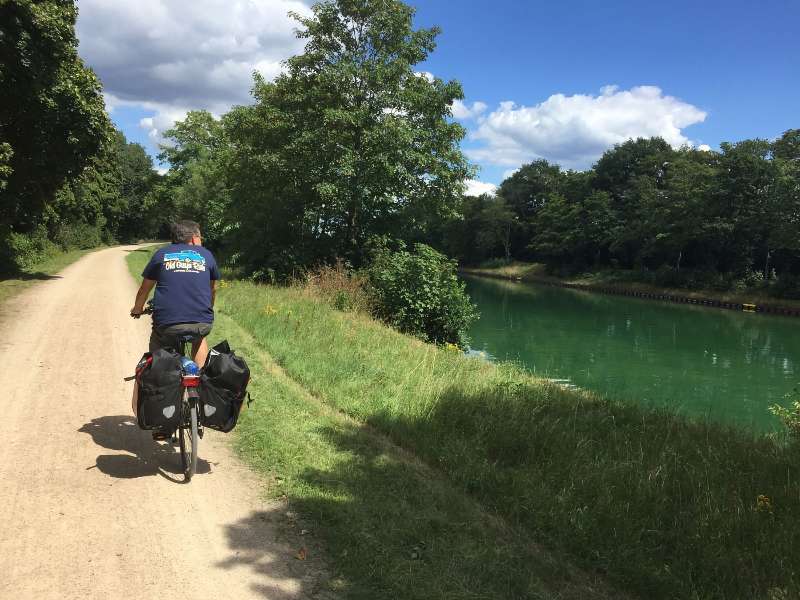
(703, 362)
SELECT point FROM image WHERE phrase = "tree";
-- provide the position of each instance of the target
(196, 185)
(631, 172)
(54, 122)
(494, 226)
(525, 192)
(574, 234)
(787, 147)
(677, 213)
(349, 143)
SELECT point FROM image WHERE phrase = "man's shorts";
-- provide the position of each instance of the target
(168, 336)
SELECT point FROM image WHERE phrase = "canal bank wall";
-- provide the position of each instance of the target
(772, 309)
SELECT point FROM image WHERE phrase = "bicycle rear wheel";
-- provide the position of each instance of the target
(189, 440)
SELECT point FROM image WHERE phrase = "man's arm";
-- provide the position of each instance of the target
(142, 294)
(213, 291)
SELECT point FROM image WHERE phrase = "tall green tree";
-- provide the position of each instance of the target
(52, 114)
(197, 150)
(349, 143)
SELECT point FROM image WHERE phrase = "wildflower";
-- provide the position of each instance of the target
(763, 504)
(451, 347)
(270, 310)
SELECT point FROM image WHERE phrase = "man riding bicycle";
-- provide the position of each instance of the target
(185, 276)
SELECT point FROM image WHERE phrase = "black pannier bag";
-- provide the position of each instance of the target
(159, 403)
(223, 385)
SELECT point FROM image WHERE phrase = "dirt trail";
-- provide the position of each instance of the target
(89, 504)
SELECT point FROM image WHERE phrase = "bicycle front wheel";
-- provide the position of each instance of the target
(189, 440)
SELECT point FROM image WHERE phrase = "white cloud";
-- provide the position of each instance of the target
(170, 56)
(574, 131)
(426, 74)
(704, 148)
(463, 111)
(476, 188)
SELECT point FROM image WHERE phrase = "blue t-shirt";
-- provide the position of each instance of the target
(183, 290)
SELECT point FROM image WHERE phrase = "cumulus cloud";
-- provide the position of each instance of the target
(574, 131)
(463, 111)
(170, 56)
(704, 148)
(476, 188)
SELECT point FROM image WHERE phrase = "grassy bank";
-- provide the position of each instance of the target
(491, 461)
(532, 272)
(11, 285)
(389, 525)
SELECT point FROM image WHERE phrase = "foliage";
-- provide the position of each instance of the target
(687, 215)
(339, 285)
(66, 175)
(21, 251)
(55, 120)
(5, 164)
(419, 293)
(350, 142)
(789, 415)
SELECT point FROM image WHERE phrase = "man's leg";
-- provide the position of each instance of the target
(200, 352)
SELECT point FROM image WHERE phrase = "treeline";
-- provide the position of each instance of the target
(68, 178)
(349, 150)
(672, 217)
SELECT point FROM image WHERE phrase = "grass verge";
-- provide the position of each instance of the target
(665, 508)
(12, 285)
(392, 527)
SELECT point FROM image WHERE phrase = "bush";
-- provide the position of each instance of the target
(786, 286)
(419, 293)
(339, 286)
(495, 263)
(78, 236)
(20, 251)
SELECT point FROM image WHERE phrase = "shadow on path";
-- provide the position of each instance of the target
(25, 276)
(264, 541)
(144, 457)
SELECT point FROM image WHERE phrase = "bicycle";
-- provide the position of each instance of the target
(190, 430)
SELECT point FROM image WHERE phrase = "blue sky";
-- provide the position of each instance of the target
(695, 72)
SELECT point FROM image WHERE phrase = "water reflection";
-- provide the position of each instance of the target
(711, 363)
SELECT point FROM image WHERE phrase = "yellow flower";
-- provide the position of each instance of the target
(270, 310)
(763, 503)
(452, 347)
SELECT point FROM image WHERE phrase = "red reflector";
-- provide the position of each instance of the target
(191, 381)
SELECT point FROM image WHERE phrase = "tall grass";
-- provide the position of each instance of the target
(665, 507)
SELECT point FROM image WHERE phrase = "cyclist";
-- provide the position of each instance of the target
(185, 276)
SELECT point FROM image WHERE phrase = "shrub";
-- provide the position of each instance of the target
(786, 286)
(790, 417)
(419, 293)
(495, 263)
(20, 251)
(339, 286)
(78, 236)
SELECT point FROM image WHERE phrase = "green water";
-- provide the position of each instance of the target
(708, 363)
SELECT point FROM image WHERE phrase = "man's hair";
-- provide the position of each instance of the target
(184, 231)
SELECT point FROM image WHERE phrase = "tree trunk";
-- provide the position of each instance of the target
(766, 266)
(678, 262)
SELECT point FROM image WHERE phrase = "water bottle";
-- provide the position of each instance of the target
(189, 366)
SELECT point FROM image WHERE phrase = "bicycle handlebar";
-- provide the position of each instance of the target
(148, 310)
